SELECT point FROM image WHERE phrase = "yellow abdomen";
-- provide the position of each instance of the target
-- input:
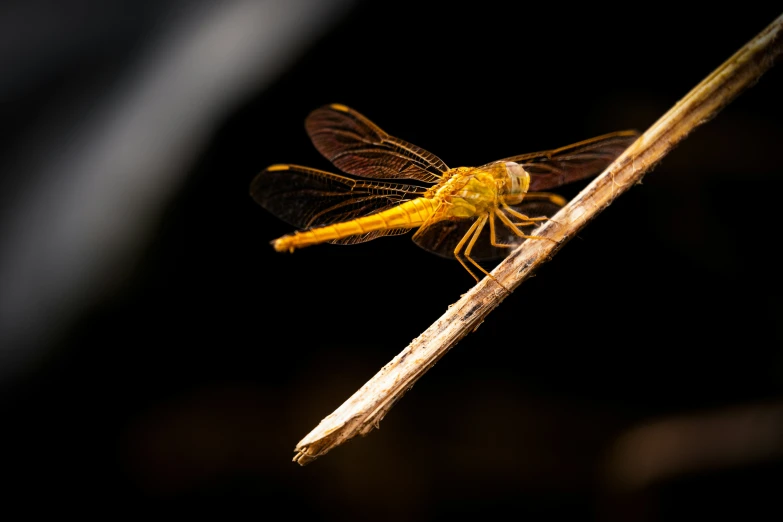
(411, 214)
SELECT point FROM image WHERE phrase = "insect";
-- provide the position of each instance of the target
(450, 207)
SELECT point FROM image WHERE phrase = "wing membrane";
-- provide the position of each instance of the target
(306, 197)
(553, 168)
(357, 146)
(353, 240)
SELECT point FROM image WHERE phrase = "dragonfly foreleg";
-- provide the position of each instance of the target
(526, 220)
(504, 218)
(552, 198)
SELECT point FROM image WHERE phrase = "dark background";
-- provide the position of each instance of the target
(187, 359)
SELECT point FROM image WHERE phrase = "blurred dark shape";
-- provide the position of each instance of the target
(109, 107)
(189, 441)
(661, 450)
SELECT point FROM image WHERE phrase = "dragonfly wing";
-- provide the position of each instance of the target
(442, 237)
(306, 197)
(352, 240)
(553, 168)
(357, 146)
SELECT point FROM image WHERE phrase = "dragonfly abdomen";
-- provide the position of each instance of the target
(411, 214)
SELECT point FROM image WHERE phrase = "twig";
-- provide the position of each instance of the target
(366, 408)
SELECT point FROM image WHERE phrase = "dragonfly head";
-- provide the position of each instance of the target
(517, 183)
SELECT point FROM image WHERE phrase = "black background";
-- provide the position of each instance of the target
(197, 374)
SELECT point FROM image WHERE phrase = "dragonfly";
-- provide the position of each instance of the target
(451, 208)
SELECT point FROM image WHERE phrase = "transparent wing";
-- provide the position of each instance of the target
(553, 168)
(357, 146)
(352, 240)
(442, 237)
(306, 197)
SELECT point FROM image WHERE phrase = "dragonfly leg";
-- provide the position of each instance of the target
(461, 244)
(477, 228)
(493, 238)
(514, 228)
(520, 215)
(526, 220)
(549, 196)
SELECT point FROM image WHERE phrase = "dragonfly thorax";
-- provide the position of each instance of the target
(474, 191)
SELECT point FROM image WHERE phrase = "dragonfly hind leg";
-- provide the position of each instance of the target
(478, 224)
(470, 238)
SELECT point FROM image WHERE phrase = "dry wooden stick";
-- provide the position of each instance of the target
(366, 408)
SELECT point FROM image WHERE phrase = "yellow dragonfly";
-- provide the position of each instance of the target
(451, 207)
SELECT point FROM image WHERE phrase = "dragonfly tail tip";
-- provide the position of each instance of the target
(283, 244)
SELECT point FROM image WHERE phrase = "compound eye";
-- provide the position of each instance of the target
(520, 179)
(515, 169)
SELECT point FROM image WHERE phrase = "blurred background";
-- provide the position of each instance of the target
(154, 348)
